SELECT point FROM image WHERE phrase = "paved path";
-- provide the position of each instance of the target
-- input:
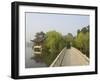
(74, 57)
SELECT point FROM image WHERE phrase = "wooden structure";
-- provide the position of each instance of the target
(38, 43)
(37, 49)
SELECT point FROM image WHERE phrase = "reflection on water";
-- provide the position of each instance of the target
(32, 61)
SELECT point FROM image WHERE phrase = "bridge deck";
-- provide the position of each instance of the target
(74, 57)
(70, 57)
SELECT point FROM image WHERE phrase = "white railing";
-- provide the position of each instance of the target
(59, 59)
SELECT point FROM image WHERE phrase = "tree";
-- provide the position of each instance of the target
(69, 40)
(39, 38)
(69, 37)
(84, 30)
(88, 28)
(86, 44)
(54, 43)
(78, 31)
(40, 35)
(82, 40)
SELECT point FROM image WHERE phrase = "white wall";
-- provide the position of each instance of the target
(5, 40)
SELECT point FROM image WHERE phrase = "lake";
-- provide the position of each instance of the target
(31, 61)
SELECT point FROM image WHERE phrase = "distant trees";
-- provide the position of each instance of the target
(81, 41)
(78, 31)
(69, 39)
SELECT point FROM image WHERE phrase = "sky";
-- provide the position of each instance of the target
(63, 23)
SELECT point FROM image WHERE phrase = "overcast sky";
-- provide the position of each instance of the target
(63, 23)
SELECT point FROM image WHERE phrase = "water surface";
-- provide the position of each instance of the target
(31, 61)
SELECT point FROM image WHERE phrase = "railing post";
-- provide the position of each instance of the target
(59, 58)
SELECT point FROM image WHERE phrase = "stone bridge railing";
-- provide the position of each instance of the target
(58, 61)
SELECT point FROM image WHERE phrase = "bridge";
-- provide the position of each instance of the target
(70, 57)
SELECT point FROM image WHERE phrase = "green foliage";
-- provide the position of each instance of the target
(54, 43)
(69, 37)
(69, 40)
(78, 31)
(82, 40)
(84, 30)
